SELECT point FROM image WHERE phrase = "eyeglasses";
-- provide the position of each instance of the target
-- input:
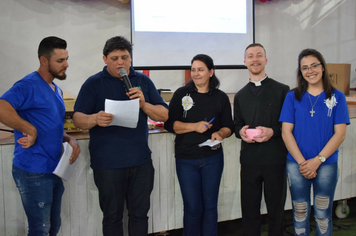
(312, 67)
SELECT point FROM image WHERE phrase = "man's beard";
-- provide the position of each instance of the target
(256, 72)
(56, 75)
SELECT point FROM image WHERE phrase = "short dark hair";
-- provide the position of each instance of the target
(214, 82)
(302, 86)
(255, 45)
(48, 44)
(117, 43)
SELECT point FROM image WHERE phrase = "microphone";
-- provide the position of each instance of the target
(125, 78)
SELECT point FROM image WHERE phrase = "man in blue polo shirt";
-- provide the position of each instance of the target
(34, 108)
(120, 156)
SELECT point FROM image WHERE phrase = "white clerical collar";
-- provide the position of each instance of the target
(258, 83)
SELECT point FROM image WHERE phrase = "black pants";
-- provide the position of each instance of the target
(272, 179)
(133, 185)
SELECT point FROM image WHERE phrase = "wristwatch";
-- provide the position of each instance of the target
(321, 158)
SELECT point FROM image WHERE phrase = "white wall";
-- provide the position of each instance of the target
(84, 24)
(287, 27)
(284, 27)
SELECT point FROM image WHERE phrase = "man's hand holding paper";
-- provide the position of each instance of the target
(103, 119)
(125, 113)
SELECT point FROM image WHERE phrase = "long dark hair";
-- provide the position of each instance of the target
(214, 82)
(302, 86)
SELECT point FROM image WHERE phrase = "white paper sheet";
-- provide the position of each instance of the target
(209, 143)
(64, 169)
(125, 112)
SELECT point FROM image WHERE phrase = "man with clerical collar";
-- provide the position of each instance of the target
(258, 105)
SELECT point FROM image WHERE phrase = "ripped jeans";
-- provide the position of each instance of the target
(323, 188)
(41, 196)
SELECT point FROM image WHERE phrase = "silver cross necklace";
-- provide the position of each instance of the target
(312, 110)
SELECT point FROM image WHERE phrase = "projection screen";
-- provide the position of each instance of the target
(167, 34)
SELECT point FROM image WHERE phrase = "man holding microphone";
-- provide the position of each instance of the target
(120, 156)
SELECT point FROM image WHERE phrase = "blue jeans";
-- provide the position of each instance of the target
(199, 181)
(323, 188)
(133, 184)
(41, 196)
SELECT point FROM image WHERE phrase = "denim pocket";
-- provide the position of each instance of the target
(33, 175)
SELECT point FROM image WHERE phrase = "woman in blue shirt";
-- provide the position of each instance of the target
(314, 118)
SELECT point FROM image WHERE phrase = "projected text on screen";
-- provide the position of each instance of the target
(205, 16)
(169, 33)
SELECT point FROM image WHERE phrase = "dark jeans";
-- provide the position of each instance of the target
(132, 184)
(41, 196)
(199, 181)
(272, 179)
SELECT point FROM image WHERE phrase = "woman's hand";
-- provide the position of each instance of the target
(216, 136)
(309, 167)
(202, 126)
